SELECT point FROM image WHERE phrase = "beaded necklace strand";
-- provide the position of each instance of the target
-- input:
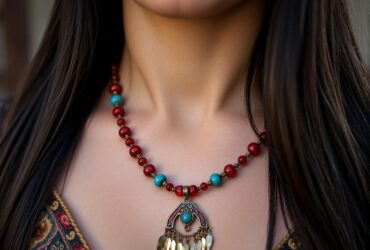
(187, 211)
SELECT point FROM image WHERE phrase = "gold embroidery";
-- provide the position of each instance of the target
(287, 239)
(71, 235)
(45, 225)
(54, 206)
(66, 210)
(292, 244)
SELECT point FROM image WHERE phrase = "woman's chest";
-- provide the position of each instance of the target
(117, 207)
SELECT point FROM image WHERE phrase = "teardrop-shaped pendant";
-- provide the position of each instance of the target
(188, 212)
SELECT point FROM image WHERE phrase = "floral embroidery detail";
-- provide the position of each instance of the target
(57, 246)
(42, 230)
(56, 229)
(64, 220)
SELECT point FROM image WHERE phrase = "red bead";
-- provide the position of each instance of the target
(263, 137)
(118, 111)
(230, 171)
(121, 122)
(142, 161)
(135, 150)
(204, 186)
(124, 131)
(179, 190)
(115, 88)
(130, 141)
(149, 170)
(169, 187)
(193, 190)
(114, 68)
(242, 160)
(254, 149)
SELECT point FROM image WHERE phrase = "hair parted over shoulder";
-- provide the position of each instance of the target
(314, 89)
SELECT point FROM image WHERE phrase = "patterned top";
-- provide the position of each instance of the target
(56, 229)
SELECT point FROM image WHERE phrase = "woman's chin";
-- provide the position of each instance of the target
(188, 8)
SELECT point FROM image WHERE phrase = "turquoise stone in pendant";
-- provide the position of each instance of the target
(159, 179)
(116, 99)
(199, 239)
(216, 180)
(186, 218)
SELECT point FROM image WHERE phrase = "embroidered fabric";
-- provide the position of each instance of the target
(56, 229)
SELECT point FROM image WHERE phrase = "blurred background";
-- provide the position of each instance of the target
(22, 23)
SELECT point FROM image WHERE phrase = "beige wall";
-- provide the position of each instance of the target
(361, 25)
(38, 15)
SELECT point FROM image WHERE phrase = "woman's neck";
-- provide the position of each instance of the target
(188, 68)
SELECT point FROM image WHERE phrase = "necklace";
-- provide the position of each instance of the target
(187, 212)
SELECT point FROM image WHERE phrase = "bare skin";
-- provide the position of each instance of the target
(183, 69)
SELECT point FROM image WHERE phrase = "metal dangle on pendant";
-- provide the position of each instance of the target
(201, 239)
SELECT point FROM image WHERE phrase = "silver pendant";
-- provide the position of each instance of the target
(187, 212)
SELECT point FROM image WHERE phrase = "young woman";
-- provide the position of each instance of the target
(274, 92)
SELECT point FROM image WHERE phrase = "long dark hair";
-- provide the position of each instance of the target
(314, 89)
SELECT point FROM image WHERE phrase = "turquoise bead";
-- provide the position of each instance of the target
(159, 179)
(116, 99)
(186, 218)
(216, 180)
